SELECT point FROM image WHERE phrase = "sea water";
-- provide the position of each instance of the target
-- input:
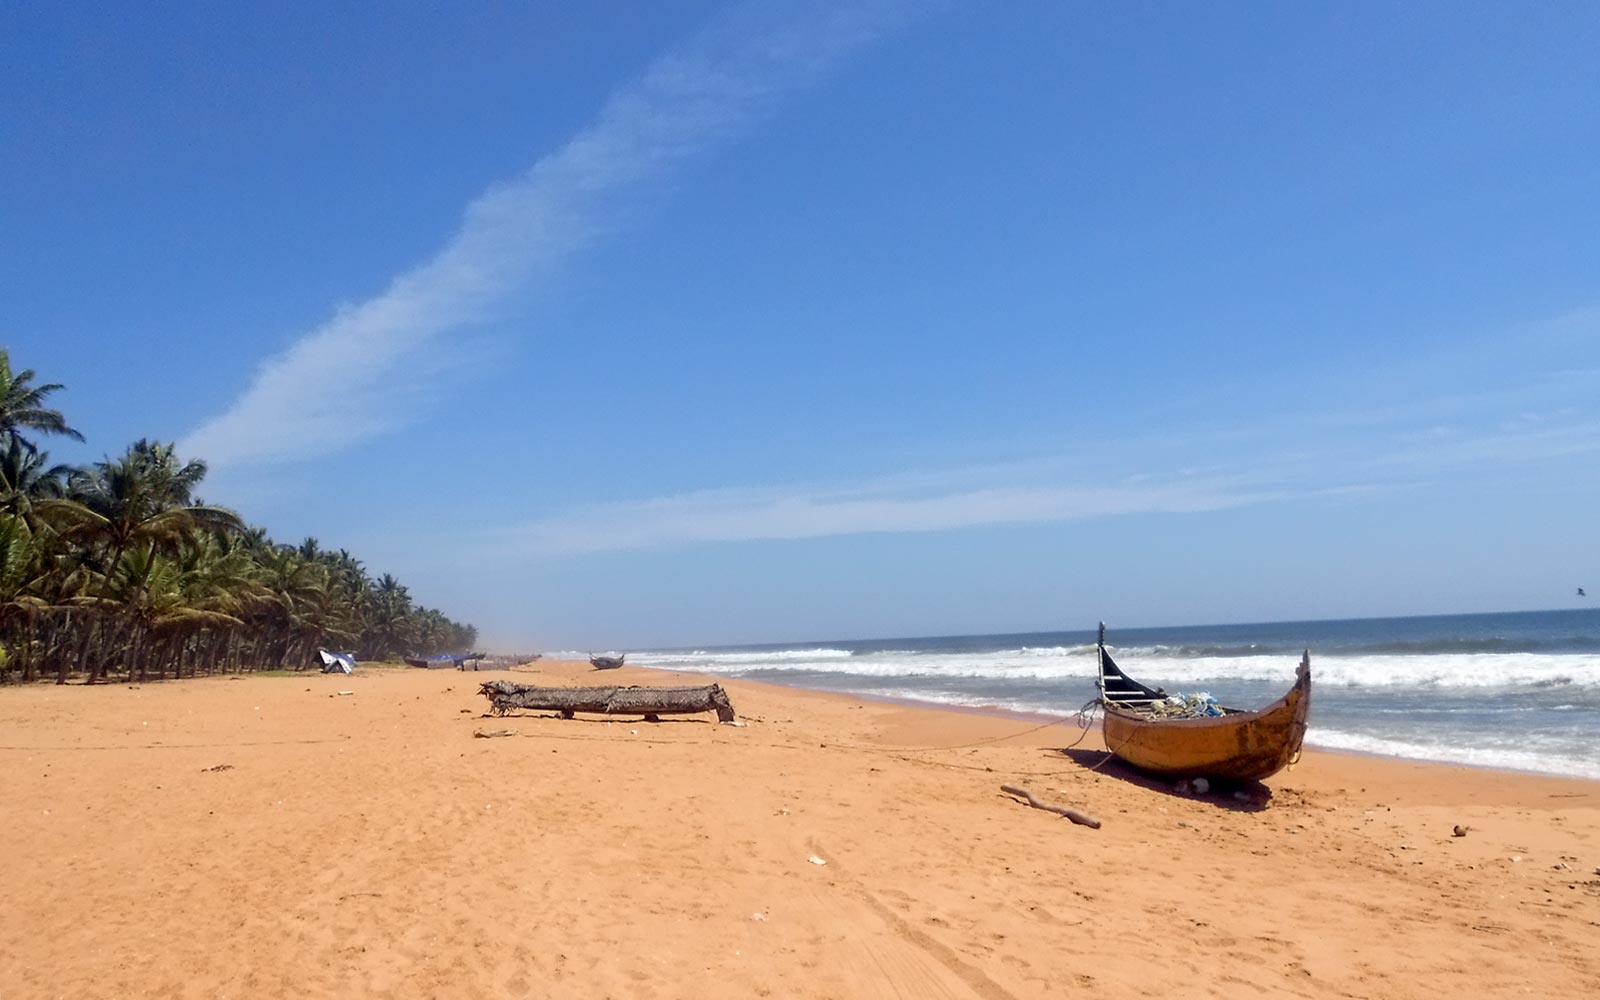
(1516, 690)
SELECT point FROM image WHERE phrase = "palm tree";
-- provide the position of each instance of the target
(141, 501)
(144, 496)
(120, 561)
(26, 477)
(290, 620)
(219, 583)
(20, 567)
(22, 405)
(390, 623)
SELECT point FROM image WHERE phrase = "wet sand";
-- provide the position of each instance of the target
(271, 837)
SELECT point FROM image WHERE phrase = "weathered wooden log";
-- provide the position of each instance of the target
(1082, 819)
(504, 696)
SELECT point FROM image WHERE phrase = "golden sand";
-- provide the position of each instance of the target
(269, 837)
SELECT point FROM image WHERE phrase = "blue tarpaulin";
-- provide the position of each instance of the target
(337, 663)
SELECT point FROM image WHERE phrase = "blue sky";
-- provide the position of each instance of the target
(710, 323)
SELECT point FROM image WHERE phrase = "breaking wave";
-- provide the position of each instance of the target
(1460, 670)
(1527, 755)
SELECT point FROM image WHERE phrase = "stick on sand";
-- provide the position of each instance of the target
(1082, 819)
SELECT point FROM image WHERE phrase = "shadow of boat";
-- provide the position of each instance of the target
(1234, 796)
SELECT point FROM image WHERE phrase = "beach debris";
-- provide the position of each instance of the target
(346, 692)
(1459, 830)
(505, 696)
(1200, 785)
(758, 915)
(489, 734)
(217, 767)
(1082, 819)
(816, 860)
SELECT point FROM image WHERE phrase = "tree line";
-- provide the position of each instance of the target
(119, 566)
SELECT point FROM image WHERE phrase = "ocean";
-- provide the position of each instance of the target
(1518, 690)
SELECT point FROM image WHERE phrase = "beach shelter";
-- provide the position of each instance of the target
(337, 663)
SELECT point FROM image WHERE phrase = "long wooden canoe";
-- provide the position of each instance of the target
(1237, 745)
(457, 660)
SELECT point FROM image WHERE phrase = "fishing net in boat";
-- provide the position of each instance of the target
(1186, 706)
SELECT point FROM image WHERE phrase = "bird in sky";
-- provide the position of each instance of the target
(1581, 593)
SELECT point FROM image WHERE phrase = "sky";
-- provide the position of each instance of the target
(646, 325)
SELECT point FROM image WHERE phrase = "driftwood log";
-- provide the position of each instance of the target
(1082, 819)
(504, 696)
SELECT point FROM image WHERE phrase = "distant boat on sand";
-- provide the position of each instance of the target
(457, 660)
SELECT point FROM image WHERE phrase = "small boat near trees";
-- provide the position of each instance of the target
(457, 660)
(1156, 734)
(607, 662)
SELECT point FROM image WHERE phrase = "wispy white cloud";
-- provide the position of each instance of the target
(1042, 492)
(327, 391)
(751, 515)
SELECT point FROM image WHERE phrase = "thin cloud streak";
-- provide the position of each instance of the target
(327, 391)
(940, 503)
(737, 515)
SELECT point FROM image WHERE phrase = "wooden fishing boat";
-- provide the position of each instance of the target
(607, 662)
(1236, 745)
(457, 660)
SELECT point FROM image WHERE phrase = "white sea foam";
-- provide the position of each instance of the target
(1018, 664)
(1056, 652)
(1530, 753)
(701, 658)
(962, 699)
(775, 659)
(1441, 670)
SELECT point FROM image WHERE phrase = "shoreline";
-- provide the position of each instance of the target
(1001, 711)
(988, 711)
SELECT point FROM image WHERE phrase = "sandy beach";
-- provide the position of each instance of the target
(276, 837)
